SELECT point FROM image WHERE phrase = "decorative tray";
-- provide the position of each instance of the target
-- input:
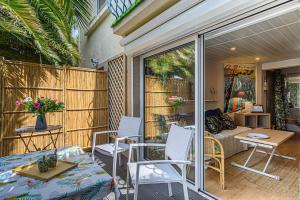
(32, 170)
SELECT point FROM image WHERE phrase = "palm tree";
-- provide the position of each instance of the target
(42, 29)
(179, 62)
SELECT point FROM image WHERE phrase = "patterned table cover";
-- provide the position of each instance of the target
(87, 181)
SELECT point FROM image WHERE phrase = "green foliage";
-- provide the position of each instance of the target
(176, 103)
(280, 108)
(161, 123)
(42, 29)
(178, 62)
(131, 8)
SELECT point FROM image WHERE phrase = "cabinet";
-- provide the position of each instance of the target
(253, 120)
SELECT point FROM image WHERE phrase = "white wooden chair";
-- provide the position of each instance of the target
(162, 171)
(129, 128)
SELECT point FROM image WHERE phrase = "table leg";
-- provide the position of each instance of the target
(269, 160)
(250, 156)
(26, 145)
(255, 170)
(53, 141)
(278, 155)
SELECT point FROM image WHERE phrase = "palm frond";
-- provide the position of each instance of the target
(45, 27)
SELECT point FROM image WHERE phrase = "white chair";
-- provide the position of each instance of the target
(129, 128)
(162, 171)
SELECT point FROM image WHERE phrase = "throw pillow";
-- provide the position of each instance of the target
(213, 112)
(227, 122)
(213, 124)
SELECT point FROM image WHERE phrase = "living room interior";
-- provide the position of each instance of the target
(252, 82)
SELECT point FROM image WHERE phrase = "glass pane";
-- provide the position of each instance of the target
(169, 97)
(252, 86)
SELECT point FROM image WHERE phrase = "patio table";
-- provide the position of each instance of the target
(87, 181)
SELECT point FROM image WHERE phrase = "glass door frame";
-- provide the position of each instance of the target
(198, 186)
(199, 40)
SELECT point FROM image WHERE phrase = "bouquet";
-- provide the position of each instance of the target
(40, 105)
(175, 102)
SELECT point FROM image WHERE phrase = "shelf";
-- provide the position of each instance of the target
(210, 100)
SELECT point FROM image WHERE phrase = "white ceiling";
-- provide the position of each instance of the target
(272, 40)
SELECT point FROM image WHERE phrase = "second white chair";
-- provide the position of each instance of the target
(162, 171)
(129, 128)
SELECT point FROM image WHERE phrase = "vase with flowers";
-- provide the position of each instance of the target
(175, 102)
(39, 107)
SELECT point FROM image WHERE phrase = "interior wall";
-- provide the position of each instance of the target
(214, 79)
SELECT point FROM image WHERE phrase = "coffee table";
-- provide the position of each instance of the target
(275, 139)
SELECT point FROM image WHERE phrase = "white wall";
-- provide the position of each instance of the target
(101, 43)
(214, 78)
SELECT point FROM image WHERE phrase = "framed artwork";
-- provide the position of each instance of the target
(240, 81)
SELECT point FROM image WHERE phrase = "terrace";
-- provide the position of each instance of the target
(132, 99)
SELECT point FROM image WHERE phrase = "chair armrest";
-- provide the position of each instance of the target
(178, 162)
(147, 145)
(103, 132)
(119, 138)
(99, 133)
(142, 145)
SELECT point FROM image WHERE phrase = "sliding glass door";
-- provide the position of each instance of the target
(169, 97)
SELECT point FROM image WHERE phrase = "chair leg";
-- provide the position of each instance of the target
(127, 185)
(222, 181)
(93, 154)
(115, 166)
(185, 190)
(136, 188)
(170, 189)
(120, 161)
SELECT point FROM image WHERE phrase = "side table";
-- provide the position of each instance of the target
(52, 129)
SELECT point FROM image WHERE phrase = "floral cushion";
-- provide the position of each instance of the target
(213, 124)
(227, 122)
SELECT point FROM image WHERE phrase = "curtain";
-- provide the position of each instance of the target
(280, 106)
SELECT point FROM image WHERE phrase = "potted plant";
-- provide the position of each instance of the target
(40, 106)
(175, 102)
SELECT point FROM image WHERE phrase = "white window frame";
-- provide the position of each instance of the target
(198, 91)
(100, 7)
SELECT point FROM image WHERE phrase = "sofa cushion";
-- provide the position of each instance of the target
(232, 133)
(213, 124)
(227, 122)
(230, 144)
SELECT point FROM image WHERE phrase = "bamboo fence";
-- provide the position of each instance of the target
(156, 100)
(84, 92)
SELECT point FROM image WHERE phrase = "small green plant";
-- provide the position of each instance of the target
(175, 102)
(161, 123)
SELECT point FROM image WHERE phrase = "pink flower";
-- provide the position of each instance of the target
(18, 103)
(36, 105)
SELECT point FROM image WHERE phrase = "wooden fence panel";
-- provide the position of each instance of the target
(156, 101)
(84, 92)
